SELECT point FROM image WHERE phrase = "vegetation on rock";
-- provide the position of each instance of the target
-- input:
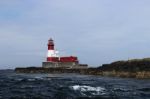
(134, 65)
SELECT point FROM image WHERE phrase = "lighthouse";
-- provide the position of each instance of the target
(52, 55)
(53, 60)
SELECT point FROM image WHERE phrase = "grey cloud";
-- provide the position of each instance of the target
(98, 31)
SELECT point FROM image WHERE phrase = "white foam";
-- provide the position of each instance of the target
(38, 77)
(85, 88)
(89, 90)
(18, 79)
(31, 79)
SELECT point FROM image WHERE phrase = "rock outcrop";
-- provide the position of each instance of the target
(137, 68)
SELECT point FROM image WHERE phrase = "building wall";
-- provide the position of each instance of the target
(62, 65)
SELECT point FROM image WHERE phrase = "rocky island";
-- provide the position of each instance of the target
(135, 68)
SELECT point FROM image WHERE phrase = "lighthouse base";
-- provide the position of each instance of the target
(63, 65)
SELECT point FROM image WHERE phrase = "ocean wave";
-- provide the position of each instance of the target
(121, 90)
(145, 89)
(84, 89)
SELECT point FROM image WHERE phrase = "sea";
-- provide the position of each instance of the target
(70, 86)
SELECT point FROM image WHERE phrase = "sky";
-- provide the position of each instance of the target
(97, 31)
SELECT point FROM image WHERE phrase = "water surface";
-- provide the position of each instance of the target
(70, 86)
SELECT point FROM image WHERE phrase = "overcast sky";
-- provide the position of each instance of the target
(97, 31)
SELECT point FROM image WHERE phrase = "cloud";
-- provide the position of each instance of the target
(96, 31)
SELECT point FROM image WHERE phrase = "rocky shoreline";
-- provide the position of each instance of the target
(137, 68)
(141, 74)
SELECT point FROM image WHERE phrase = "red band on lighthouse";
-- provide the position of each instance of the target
(50, 44)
